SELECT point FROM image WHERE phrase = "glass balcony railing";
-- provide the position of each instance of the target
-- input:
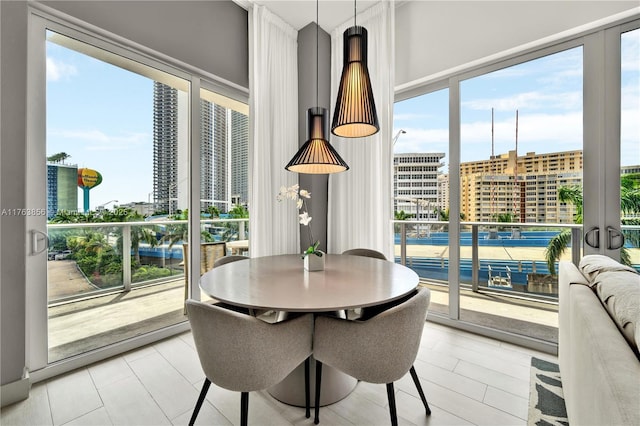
(509, 258)
(119, 256)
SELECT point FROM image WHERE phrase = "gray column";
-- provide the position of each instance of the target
(316, 184)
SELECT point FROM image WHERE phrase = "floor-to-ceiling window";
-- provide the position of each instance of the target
(421, 186)
(520, 153)
(117, 142)
(524, 128)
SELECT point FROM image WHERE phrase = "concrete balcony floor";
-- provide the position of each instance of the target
(95, 322)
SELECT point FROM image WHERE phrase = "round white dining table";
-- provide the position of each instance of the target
(281, 283)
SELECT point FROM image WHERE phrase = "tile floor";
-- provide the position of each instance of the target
(468, 379)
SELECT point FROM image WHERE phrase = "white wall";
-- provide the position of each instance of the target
(433, 37)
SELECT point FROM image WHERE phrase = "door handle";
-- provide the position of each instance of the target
(36, 237)
(615, 238)
(592, 237)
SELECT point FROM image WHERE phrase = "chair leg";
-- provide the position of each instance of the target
(244, 408)
(307, 396)
(203, 393)
(316, 420)
(391, 396)
(414, 376)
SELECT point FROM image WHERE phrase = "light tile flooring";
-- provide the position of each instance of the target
(468, 379)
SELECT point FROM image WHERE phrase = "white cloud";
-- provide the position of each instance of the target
(528, 100)
(56, 69)
(536, 133)
(411, 116)
(631, 51)
(97, 140)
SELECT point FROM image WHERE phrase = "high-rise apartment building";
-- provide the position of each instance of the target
(223, 153)
(206, 154)
(62, 188)
(169, 105)
(525, 187)
(415, 184)
(239, 158)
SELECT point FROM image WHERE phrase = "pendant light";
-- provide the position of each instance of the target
(355, 113)
(317, 156)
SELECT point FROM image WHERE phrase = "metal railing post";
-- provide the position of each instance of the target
(403, 244)
(475, 260)
(126, 257)
(241, 230)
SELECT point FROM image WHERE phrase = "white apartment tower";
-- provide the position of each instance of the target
(415, 184)
(223, 153)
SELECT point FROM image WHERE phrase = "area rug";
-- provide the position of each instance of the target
(546, 401)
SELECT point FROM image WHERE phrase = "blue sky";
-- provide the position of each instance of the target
(103, 115)
(547, 93)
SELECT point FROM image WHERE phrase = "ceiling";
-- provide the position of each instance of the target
(299, 13)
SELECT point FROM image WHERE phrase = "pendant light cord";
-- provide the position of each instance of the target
(354, 13)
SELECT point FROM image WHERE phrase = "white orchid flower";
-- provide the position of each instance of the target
(292, 192)
(305, 218)
(283, 193)
(299, 203)
(304, 193)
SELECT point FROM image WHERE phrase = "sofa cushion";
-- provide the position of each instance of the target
(619, 292)
(593, 264)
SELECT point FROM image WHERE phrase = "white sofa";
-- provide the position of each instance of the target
(599, 317)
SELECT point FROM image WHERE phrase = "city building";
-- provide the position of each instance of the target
(169, 127)
(415, 184)
(141, 207)
(239, 158)
(223, 153)
(62, 188)
(627, 170)
(524, 187)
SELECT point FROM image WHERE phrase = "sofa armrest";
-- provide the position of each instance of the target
(598, 368)
(568, 274)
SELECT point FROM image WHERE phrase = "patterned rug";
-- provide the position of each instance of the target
(546, 401)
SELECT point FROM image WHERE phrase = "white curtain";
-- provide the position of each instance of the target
(273, 130)
(360, 199)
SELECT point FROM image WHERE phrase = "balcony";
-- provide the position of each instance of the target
(504, 281)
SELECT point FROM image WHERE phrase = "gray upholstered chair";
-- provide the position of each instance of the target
(242, 353)
(223, 261)
(365, 312)
(380, 350)
(365, 252)
(228, 259)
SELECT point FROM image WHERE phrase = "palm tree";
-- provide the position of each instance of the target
(629, 203)
(559, 243)
(402, 215)
(213, 211)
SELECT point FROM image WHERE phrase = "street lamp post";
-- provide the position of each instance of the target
(395, 138)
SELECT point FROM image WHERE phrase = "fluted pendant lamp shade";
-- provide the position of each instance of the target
(355, 113)
(317, 156)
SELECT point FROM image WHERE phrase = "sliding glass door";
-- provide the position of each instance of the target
(543, 163)
(121, 149)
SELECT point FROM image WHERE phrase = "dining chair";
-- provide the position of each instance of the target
(209, 253)
(228, 259)
(380, 350)
(243, 354)
(365, 252)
